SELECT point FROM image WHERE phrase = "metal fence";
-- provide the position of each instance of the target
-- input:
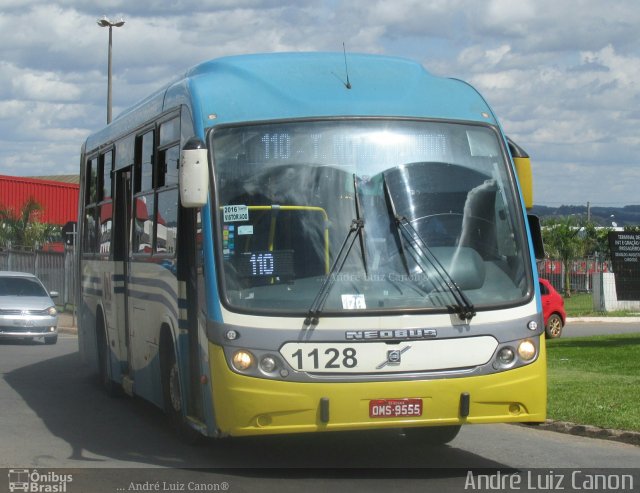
(580, 275)
(54, 269)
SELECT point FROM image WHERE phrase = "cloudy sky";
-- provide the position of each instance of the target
(563, 76)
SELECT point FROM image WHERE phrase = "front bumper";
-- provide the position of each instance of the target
(24, 326)
(252, 406)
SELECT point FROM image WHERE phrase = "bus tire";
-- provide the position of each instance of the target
(172, 395)
(104, 360)
(432, 436)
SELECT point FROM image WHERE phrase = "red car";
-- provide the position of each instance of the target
(552, 309)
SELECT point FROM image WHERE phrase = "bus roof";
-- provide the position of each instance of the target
(275, 86)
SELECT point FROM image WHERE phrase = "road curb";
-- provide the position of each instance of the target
(611, 320)
(624, 436)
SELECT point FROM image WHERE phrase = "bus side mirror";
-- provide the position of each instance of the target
(536, 236)
(194, 174)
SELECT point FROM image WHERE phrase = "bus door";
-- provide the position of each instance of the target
(122, 239)
(189, 254)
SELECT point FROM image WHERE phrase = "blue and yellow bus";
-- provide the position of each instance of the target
(287, 243)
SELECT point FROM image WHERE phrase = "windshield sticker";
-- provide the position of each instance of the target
(235, 213)
(353, 302)
(245, 230)
(228, 240)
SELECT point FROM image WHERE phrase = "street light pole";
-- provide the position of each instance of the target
(104, 22)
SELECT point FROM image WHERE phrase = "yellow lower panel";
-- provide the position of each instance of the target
(255, 406)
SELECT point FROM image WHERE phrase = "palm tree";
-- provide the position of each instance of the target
(28, 213)
(563, 239)
(22, 227)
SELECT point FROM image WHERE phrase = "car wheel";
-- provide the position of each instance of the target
(554, 326)
(432, 436)
(51, 339)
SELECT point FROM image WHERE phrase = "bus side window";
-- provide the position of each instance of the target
(166, 187)
(167, 222)
(143, 180)
(91, 180)
(105, 208)
(106, 167)
(144, 199)
(143, 223)
(168, 167)
(90, 232)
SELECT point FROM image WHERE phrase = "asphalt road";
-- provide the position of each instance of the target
(54, 415)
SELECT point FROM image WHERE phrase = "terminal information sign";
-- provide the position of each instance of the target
(625, 255)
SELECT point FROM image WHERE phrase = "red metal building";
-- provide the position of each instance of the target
(59, 200)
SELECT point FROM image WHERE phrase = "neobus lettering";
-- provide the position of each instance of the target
(351, 335)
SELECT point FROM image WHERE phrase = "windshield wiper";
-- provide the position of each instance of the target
(463, 305)
(336, 267)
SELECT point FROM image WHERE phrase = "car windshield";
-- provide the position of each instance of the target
(21, 286)
(288, 195)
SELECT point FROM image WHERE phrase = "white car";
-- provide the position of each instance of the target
(26, 308)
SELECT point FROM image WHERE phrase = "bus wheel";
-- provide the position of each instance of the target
(172, 392)
(104, 363)
(431, 436)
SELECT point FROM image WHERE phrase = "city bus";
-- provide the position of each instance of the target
(312, 242)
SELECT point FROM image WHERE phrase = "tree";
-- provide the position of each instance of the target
(22, 227)
(564, 239)
(596, 239)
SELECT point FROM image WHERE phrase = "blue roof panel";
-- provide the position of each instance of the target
(277, 86)
(298, 85)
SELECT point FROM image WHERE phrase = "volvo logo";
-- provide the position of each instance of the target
(394, 357)
(372, 335)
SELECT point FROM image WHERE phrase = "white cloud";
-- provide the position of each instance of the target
(44, 86)
(561, 76)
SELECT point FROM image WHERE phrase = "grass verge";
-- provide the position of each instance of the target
(581, 305)
(595, 380)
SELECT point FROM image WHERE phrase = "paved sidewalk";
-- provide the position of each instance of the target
(611, 320)
(67, 323)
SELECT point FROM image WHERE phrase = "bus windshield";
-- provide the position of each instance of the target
(288, 195)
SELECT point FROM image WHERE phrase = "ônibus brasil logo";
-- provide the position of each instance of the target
(37, 482)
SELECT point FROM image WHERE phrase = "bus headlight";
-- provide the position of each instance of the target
(268, 364)
(52, 311)
(506, 356)
(242, 360)
(527, 350)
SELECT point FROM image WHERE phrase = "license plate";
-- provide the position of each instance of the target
(395, 408)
